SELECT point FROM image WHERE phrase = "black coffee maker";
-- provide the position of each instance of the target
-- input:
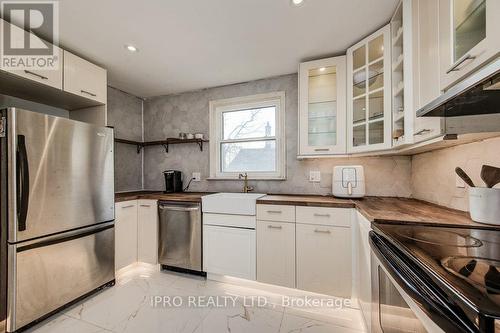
(173, 181)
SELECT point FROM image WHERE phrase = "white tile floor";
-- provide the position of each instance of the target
(129, 307)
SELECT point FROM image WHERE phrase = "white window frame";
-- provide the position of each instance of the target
(218, 107)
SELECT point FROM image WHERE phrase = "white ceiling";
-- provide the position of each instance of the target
(192, 44)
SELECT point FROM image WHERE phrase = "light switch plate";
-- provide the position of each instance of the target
(196, 177)
(314, 176)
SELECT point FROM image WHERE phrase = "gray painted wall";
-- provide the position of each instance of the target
(166, 116)
(125, 115)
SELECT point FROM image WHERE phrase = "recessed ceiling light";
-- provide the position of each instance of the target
(322, 69)
(131, 48)
(297, 2)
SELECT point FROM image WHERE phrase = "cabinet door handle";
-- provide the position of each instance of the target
(321, 215)
(322, 231)
(36, 74)
(459, 62)
(274, 227)
(274, 211)
(422, 132)
(129, 206)
(145, 205)
(321, 149)
(88, 93)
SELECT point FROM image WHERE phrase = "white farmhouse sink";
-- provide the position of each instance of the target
(230, 203)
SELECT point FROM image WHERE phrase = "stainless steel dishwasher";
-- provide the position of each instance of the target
(180, 244)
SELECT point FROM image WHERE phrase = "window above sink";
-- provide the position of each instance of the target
(247, 136)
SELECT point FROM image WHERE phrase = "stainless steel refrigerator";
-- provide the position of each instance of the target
(57, 214)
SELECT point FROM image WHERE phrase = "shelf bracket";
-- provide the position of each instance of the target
(139, 147)
(165, 145)
(200, 143)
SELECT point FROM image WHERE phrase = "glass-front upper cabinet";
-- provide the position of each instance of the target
(469, 34)
(322, 107)
(369, 93)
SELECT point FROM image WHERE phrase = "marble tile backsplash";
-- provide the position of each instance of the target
(428, 176)
(433, 173)
(166, 116)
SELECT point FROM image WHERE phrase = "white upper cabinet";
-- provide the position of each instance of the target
(402, 74)
(426, 77)
(415, 71)
(84, 78)
(469, 36)
(49, 77)
(369, 93)
(322, 107)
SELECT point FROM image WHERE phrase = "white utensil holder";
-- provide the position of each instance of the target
(484, 205)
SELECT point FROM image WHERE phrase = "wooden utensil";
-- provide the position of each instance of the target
(461, 173)
(490, 175)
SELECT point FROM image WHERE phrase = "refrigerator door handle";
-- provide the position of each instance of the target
(23, 182)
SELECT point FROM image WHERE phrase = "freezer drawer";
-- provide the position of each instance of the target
(179, 242)
(52, 272)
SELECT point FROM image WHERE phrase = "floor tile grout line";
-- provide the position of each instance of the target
(88, 322)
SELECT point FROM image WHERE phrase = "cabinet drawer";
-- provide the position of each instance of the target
(324, 259)
(83, 78)
(276, 253)
(324, 216)
(227, 220)
(276, 213)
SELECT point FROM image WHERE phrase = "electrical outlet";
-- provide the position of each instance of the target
(196, 177)
(314, 176)
(459, 183)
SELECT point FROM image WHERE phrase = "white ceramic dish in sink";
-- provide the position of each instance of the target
(230, 203)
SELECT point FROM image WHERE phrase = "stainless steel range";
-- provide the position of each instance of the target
(435, 279)
(57, 214)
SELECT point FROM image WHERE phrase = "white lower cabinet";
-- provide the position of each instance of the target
(276, 253)
(324, 259)
(147, 231)
(229, 251)
(310, 249)
(125, 233)
(136, 232)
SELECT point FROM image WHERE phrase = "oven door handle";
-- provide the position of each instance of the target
(420, 289)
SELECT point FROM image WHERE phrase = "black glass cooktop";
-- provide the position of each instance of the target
(464, 261)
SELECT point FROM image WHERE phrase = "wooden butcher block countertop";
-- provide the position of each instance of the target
(156, 195)
(385, 209)
(375, 209)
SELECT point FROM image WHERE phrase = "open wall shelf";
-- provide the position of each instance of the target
(165, 143)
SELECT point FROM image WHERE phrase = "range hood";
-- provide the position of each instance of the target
(478, 94)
